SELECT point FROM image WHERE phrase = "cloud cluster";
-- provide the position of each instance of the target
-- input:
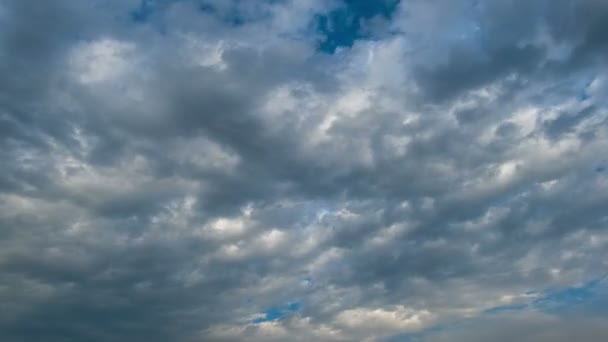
(301, 170)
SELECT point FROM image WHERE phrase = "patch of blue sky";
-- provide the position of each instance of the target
(573, 299)
(277, 313)
(342, 26)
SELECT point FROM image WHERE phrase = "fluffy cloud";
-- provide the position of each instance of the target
(302, 170)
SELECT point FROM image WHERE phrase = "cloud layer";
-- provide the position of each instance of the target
(303, 170)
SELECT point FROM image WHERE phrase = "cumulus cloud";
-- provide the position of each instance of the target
(201, 170)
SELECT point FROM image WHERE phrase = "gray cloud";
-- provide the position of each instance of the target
(205, 172)
(528, 327)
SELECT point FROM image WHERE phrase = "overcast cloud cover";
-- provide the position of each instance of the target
(303, 170)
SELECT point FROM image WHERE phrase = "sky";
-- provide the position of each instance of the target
(303, 170)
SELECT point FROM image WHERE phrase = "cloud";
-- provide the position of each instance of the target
(223, 171)
(526, 327)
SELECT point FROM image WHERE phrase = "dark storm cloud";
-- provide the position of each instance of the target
(180, 169)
